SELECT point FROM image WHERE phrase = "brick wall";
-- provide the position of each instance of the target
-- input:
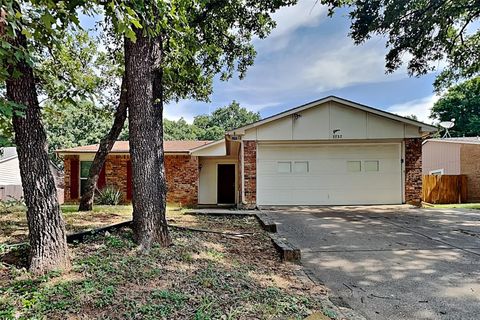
(470, 166)
(66, 177)
(116, 173)
(181, 171)
(250, 173)
(182, 179)
(413, 170)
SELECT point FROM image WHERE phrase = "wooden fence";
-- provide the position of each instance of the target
(444, 188)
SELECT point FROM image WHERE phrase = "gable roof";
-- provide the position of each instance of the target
(461, 140)
(175, 146)
(424, 127)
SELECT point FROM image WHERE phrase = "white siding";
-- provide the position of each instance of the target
(318, 123)
(10, 172)
(441, 155)
(207, 190)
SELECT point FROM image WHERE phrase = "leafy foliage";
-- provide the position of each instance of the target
(462, 103)
(233, 116)
(428, 32)
(72, 124)
(109, 195)
(199, 38)
(210, 126)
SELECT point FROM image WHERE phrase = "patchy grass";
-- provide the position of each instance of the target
(13, 224)
(202, 276)
(458, 206)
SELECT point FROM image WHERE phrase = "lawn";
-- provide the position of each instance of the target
(458, 205)
(202, 276)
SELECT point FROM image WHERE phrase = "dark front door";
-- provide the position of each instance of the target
(226, 184)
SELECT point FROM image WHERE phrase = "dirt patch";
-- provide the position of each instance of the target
(202, 276)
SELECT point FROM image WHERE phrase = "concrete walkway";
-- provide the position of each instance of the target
(391, 262)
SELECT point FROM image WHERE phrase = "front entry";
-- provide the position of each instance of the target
(226, 184)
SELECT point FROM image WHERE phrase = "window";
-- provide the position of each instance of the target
(284, 167)
(300, 167)
(371, 165)
(437, 172)
(354, 166)
(84, 171)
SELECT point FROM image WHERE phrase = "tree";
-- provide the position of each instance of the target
(173, 49)
(462, 103)
(412, 116)
(106, 144)
(179, 130)
(427, 32)
(48, 246)
(223, 119)
(80, 84)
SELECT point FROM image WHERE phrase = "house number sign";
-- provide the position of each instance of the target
(336, 134)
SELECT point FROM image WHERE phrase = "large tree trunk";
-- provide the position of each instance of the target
(48, 243)
(106, 144)
(144, 99)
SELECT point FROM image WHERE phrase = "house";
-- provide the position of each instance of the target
(454, 156)
(327, 152)
(10, 180)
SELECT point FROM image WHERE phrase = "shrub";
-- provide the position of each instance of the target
(109, 196)
(12, 204)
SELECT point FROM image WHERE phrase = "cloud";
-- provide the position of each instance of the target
(419, 107)
(344, 65)
(306, 13)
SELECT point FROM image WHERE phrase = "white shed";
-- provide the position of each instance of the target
(10, 180)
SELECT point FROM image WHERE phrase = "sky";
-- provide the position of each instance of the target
(310, 56)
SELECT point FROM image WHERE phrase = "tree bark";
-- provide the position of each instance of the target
(145, 103)
(47, 235)
(106, 144)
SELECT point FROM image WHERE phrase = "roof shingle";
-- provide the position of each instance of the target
(175, 146)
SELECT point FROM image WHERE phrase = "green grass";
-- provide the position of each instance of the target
(119, 209)
(202, 276)
(458, 206)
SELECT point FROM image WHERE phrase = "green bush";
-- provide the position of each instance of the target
(11, 205)
(109, 196)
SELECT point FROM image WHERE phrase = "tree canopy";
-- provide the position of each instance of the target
(462, 103)
(213, 126)
(210, 126)
(426, 33)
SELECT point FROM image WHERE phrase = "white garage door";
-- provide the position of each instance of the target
(329, 174)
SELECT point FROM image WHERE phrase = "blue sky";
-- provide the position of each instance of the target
(310, 56)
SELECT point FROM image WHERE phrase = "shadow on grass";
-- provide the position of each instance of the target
(201, 277)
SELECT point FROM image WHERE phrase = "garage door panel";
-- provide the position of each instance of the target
(329, 179)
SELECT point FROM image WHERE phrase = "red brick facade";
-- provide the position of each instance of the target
(182, 179)
(470, 166)
(413, 170)
(181, 171)
(250, 173)
(67, 160)
(116, 173)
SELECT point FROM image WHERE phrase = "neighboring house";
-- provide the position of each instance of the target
(454, 156)
(328, 152)
(10, 180)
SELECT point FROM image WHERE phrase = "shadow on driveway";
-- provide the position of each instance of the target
(391, 262)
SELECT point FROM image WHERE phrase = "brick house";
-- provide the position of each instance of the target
(454, 156)
(328, 152)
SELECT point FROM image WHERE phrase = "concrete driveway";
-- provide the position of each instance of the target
(391, 262)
